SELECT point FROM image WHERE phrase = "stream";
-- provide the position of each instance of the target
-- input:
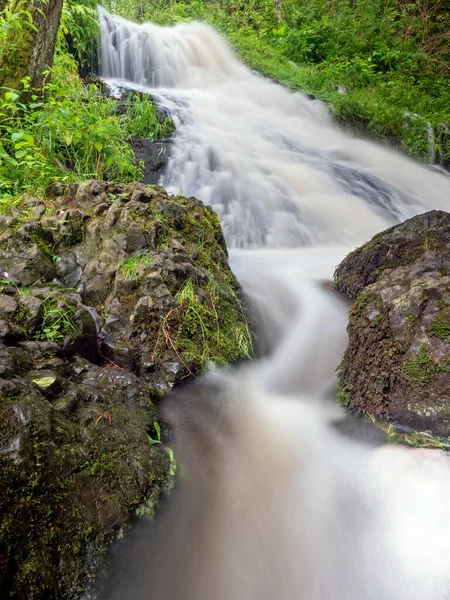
(275, 499)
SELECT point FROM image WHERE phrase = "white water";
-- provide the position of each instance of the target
(275, 503)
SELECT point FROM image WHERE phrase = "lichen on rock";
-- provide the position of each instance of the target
(397, 363)
(110, 295)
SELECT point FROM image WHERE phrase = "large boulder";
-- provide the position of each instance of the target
(397, 363)
(110, 295)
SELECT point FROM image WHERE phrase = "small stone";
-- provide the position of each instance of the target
(97, 187)
(56, 189)
(135, 239)
(100, 209)
(33, 309)
(137, 196)
(142, 308)
(38, 211)
(8, 305)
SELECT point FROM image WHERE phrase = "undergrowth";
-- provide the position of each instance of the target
(70, 132)
(58, 320)
(143, 120)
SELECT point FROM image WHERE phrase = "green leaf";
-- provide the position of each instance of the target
(151, 441)
(12, 96)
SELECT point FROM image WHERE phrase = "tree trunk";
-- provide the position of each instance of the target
(30, 43)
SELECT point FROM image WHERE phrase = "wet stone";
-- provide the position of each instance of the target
(7, 305)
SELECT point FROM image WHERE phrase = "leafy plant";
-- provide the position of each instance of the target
(168, 451)
(142, 119)
(58, 320)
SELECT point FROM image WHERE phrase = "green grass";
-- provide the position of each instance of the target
(143, 120)
(58, 320)
(203, 328)
(414, 439)
(133, 268)
(71, 132)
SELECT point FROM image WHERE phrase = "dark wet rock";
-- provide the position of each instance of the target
(107, 301)
(155, 156)
(397, 363)
(401, 245)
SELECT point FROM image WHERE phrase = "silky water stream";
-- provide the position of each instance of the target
(273, 501)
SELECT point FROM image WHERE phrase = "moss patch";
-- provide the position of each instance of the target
(422, 370)
(440, 327)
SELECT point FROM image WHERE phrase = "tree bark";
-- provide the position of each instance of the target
(28, 50)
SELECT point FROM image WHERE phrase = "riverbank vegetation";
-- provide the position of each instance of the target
(382, 66)
(68, 130)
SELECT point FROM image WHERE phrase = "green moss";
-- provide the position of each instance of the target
(422, 370)
(361, 304)
(440, 327)
(21, 316)
(343, 393)
(55, 520)
(412, 319)
(44, 244)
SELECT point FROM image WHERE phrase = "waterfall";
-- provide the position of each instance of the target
(275, 502)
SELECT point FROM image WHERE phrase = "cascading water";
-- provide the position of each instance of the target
(273, 502)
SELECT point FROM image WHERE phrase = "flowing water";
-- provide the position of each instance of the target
(274, 502)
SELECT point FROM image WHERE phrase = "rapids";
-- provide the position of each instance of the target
(273, 502)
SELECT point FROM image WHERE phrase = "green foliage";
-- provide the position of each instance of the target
(78, 32)
(143, 120)
(208, 331)
(71, 132)
(58, 320)
(172, 461)
(415, 439)
(74, 135)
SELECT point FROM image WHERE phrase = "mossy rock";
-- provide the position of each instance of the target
(397, 363)
(111, 295)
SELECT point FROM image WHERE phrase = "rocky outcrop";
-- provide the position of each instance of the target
(397, 363)
(110, 295)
